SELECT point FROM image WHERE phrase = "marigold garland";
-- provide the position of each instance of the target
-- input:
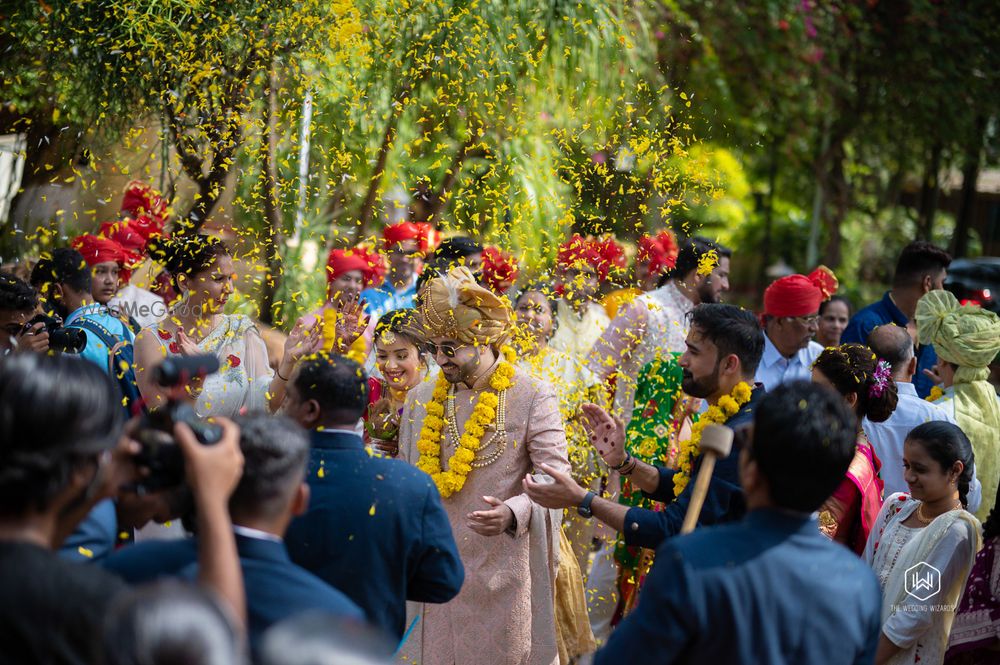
(483, 413)
(727, 407)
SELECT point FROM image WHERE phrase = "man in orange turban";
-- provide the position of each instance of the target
(582, 264)
(791, 319)
(403, 246)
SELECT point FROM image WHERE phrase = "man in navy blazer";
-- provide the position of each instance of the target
(375, 528)
(770, 588)
(270, 492)
(724, 347)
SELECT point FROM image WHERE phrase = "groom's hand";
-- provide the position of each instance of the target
(491, 522)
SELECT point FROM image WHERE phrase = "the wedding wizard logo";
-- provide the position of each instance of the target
(923, 581)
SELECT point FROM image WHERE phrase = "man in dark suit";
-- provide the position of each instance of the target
(270, 493)
(375, 528)
(770, 588)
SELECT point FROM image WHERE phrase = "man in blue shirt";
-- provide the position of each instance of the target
(375, 528)
(770, 588)
(724, 346)
(270, 493)
(399, 291)
(921, 267)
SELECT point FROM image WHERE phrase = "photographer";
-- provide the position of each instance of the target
(62, 450)
(270, 494)
(64, 282)
(18, 302)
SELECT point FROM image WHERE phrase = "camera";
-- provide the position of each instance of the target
(61, 340)
(159, 453)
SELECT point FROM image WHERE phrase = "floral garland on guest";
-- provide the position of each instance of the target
(484, 412)
(718, 414)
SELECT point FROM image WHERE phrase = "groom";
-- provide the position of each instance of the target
(477, 430)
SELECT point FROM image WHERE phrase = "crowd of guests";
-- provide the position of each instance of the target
(451, 462)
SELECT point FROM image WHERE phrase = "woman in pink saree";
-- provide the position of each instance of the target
(867, 386)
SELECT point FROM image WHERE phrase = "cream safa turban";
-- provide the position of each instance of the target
(964, 335)
(454, 305)
(968, 336)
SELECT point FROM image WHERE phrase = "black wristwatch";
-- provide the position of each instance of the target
(584, 508)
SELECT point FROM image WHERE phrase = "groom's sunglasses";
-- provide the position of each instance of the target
(447, 349)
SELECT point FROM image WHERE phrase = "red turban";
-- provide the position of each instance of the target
(428, 237)
(101, 250)
(128, 236)
(499, 269)
(395, 234)
(141, 200)
(659, 251)
(604, 254)
(371, 265)
(798, 295)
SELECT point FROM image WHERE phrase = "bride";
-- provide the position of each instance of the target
(202, 271)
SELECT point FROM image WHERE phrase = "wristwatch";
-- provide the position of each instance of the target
(584, 508)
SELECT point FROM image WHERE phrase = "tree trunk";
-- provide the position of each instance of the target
(272, 206)
(839, 197)
(772, 176)
(970, 175)
(929, 192)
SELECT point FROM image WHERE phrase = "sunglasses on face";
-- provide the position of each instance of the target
(448, 350)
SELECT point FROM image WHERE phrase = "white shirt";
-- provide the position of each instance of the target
(775, 369)
(887, 439)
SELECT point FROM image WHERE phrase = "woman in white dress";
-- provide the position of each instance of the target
(923, 545)
(202, 271)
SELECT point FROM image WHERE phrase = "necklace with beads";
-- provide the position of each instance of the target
(497, 442)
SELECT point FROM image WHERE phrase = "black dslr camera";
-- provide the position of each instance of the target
(160, 453)
(61, 340)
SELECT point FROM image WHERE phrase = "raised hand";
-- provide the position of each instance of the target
(606, 433)
(303, 340)
(351, 323)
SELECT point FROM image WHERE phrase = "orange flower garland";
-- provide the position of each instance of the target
(716, 415)
(483, 413)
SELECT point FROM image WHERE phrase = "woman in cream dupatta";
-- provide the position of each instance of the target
(923, 546)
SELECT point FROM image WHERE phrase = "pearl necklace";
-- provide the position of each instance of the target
(499, 439)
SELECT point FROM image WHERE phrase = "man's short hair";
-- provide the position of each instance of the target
(338, 384)
(892, 344)
(690, 253)
(16, 295)
(64, 266)
(803, 442)
(917, 260)
(56, 412)
(733, 330)
(275, 452)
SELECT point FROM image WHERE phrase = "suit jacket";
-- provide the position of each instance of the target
(723, 503)
(276, 588)
(376, 530)
(769, 589)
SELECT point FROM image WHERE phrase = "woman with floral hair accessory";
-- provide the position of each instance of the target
(966, 338)
(868, 388)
